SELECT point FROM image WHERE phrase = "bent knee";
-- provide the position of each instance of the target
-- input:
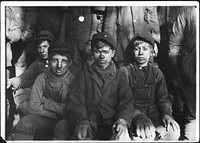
(26, 124)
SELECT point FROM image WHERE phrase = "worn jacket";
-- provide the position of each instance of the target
(149, 90)
(113, 100)
(48, 95)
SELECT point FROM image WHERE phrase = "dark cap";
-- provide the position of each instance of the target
(45, 35)
(146, 37)
(104, 37)
(60, 47)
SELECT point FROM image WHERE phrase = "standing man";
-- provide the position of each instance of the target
(100, 103)
(182, 55)
(151, 99)
(47, 99)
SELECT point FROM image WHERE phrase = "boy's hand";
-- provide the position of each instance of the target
(167, 120)
(145, 127)
(119, 127)
(82, 131)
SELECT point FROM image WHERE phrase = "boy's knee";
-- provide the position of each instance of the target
(26, 125)
(61, 130)
(171, 135)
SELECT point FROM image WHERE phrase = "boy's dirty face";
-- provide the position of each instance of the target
(103, 56)
(43, 49)
(59, 64)
(142, 52)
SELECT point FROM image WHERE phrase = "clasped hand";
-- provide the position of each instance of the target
(145, 128)
(119, 128)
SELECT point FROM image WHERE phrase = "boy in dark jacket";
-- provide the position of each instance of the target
(151, 99)
(100, 102)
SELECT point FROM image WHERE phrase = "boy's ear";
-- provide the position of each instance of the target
(113, 52)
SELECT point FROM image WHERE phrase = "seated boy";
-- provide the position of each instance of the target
(100, 102)
(47, 99)
(22, 84)
(151, 99)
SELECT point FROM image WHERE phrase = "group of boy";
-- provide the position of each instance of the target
(101, 102)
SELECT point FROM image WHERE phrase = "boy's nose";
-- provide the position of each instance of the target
(102, 56)
(59, 65)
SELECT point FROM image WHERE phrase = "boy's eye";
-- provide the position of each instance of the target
(65, 62)
(54, 60)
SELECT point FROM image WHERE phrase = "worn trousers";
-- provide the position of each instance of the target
(32, 127)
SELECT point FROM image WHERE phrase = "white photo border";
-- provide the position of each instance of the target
(84, 3)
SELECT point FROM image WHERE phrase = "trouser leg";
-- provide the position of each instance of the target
(62, 130)
(30, 126)
(190, 130)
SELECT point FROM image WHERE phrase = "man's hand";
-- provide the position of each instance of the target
(145, 127)
(167, 121)
(14, 82)
(82, 131)
(119, 127)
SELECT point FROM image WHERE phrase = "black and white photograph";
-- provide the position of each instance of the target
(99, 71)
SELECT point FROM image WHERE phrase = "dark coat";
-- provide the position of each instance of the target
(113, 101)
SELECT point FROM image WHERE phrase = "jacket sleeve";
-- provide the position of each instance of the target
(29, 75)
(36, 101)
(54, 106)
(175, 40)
(162, 96)
(110, 24)
(125, 107)
(151, 16)
(76, 108)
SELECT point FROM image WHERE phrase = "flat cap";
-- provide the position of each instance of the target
(45, 35)
(60, 47)
(146, 37)
(105, 37)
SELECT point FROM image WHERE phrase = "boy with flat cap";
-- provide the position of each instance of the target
(99, 105)
(47, 99)
(153, 113)
(22, 84)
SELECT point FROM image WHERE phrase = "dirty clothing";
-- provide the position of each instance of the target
(183, 42)
(126, 21)
(150, 93)
(27, 79)
(182, 54)
(98, 98)
(47, 100)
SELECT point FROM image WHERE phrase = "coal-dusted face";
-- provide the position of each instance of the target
(103, 56)
(59, 64)
(42, 49)
(142, 52)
